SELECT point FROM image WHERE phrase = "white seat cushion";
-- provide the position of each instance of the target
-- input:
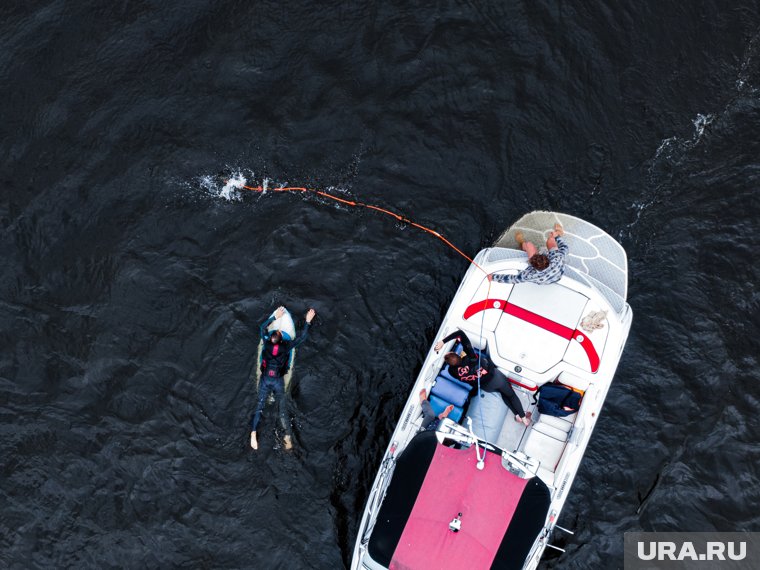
(550, 430)
(573, 381)
(559, 423)
(546, 449)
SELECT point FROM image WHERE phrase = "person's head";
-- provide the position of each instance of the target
(539, 261)
(276, 337)
(452, 359)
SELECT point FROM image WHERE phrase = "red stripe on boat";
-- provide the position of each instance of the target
(539, 321)
(487, 500)
(588, 346)
(526, 386)
(483, 305)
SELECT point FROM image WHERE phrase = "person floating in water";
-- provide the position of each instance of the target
(275, 361)
(542, 268)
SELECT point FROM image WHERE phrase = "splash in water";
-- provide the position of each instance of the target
(700, 123)
(231, 189)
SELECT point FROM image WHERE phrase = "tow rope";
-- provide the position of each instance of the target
(400, 218)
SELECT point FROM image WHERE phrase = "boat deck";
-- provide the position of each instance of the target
(532, 342)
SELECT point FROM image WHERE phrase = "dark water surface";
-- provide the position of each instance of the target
(131, 292)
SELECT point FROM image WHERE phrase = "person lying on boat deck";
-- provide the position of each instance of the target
(471, 367)
(274, 365)
(429, 420)
(542, 268)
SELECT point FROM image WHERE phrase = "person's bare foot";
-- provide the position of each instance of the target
(446, 412)
(254, 441)
(288, 442)
(423, 395)
(525, 420)
(520, 238)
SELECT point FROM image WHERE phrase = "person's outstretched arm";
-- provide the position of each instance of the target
(505, 278)
(461, 337)
(263, 332)
(305, 332)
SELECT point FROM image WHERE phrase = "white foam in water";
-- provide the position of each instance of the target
(208, 183)
(701, 122)
(231, 188)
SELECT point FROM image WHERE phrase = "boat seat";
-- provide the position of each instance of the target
(559, 423)
(444, 373)
(550, 431)
(547, 449)
(439, 405)
(573, 381)
(448, 390)
(547, 440)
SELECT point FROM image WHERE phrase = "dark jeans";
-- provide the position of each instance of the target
(276, 385)
(497, 382)
(429, 419)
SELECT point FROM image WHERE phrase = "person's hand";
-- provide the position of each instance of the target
(489, 276)
(310, 314)
(438, 345)
(558, 230)
(279, 312)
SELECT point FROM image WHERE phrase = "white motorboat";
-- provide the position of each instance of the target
(483, 490)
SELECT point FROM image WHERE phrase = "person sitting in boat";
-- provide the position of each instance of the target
(274, 365)
(429, 420)
(471, 366)
(542, 268)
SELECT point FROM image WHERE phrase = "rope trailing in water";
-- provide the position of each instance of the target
(399, 217)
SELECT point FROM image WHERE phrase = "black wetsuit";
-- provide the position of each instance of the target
(492, 379)
(275, 362)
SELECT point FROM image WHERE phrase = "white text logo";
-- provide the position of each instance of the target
(713, 551)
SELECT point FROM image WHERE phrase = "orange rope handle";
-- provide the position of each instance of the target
(399, 217)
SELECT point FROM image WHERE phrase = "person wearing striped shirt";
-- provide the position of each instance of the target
(543, 268)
